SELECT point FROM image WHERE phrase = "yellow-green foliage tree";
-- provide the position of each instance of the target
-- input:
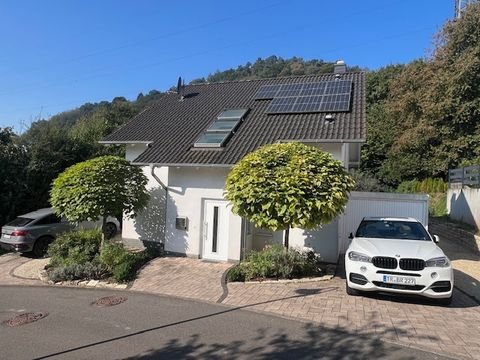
(280, 186)
(107, 185)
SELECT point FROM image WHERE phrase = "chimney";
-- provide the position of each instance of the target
(340, 67)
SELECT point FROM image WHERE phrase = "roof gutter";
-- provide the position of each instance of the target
(114, 142)
(183, 165)
(335, 141)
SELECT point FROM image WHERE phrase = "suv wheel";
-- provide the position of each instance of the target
(41, 246)
(110, 230)
(350, 291)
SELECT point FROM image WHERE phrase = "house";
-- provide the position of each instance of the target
(187, 142)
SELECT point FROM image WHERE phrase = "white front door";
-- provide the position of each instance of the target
(215, 230)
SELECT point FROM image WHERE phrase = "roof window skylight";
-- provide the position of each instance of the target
(220, 131)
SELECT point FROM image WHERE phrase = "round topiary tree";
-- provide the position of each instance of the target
(287, 185)
(107, 185)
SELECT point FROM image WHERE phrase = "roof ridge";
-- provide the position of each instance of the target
(272, 78)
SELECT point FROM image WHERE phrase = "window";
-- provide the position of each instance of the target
(50, 219)
(19, 222)
(220, 131)
(387, 229)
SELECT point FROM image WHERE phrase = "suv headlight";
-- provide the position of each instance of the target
(356, 256)
(441, 261)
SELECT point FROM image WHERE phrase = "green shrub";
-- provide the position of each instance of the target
(127, 269)
(437, 205)
(428, 186)
(122, 263)
(113, 254)
(85, 271)
(368, 183)
(236, 273)
(436, 188)
(276, 262)
(75, 248)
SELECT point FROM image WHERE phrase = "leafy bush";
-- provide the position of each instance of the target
(85, 271)
(437, 205)
(276, 262)
(76, 255)
(127, 269)
(113, 254)
(369, 183)
(427, 186)
(122, 263)
(236, 273)
(436, 188)
(75, 248)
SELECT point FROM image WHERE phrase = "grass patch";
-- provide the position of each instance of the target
(437, 206)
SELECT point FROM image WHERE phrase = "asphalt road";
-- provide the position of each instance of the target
(154, 327)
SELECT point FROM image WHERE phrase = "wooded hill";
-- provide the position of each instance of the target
(423, 118)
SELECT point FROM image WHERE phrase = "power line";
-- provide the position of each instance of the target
(328, 51)
(159, 37)
(92, 75)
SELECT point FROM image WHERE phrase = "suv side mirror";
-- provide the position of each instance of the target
(350, 236)
(436, 239)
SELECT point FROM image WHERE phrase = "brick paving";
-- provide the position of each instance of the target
(454, 330)
(8, 263)
(183, 277)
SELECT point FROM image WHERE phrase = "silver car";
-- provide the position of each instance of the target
(33, 232)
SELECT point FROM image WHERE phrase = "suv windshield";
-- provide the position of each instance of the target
(19, 222)
(386, 229)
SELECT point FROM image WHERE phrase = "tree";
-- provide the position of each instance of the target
(107, 185)
(13, 176)
(433, 109)
(288, 185)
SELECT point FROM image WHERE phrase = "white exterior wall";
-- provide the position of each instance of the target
(150, 224)
(464, 205)
(188, 188)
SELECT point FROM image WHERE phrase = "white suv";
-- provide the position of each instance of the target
(397, 255)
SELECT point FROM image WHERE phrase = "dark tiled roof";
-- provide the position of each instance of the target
(173, 126)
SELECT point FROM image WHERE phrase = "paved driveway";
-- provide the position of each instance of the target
(453, 330)
(183, 277)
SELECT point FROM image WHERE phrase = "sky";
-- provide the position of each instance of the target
(56, 55)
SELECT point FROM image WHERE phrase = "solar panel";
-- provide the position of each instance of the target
(267, 92)
(289, 90)
(325, 96)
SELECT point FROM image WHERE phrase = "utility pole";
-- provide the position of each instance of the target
(460, 6)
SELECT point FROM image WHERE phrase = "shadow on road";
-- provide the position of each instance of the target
(316, 342)
(311, 341)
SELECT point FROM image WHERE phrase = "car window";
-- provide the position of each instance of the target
(401, 230)
(50, 219)
(19, 222)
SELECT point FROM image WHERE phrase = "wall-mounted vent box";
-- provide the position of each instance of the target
(181, 223)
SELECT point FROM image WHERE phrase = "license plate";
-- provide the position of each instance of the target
(398, 280)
